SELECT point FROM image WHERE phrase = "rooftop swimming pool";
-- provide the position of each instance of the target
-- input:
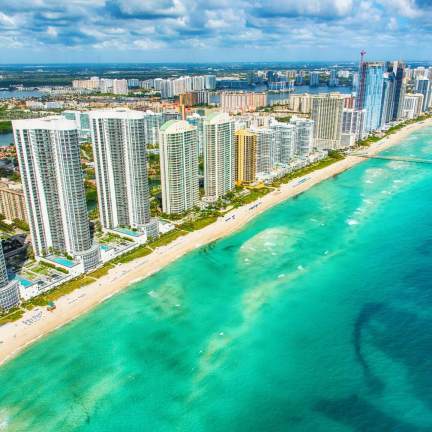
(128, 232)
(24, 282)
(63, 261)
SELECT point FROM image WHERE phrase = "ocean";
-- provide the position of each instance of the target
(317, 316)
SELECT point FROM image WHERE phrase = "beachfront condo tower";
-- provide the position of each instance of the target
(119, 148)
(219, 155)
(423, 86)
(327, 110)
(246, 156)
(304, 136)
(285, 135)
(9, 290)
(178, 144)
(370, 93)
(49, 159)
(266, 150)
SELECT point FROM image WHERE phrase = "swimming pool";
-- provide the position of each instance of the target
(24, 282)
(63, 261)
(128, 232)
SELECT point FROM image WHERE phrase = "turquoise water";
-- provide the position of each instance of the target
(316, 317)
(128, 232)
(63, 261)
(24, 282)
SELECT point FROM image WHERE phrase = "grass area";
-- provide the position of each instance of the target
(253, 195)
(167, 238)
(11, 316)
(102, 271)
(5, 127)
(139, 252)
(199, 223)
(60, 291)
(329, 160)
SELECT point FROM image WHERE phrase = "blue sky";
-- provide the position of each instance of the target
(38, 31)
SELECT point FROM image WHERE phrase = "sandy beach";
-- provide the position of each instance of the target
(38, 322)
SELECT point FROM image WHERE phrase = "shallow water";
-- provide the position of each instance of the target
(316, 317)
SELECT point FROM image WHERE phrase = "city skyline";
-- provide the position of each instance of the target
(44, 31)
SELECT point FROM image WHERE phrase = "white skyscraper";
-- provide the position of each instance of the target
(219, 155)
(303, 136)
(49, 158)
(266, 150)
(9, 291)
(121, 169)
(178, 144)
(285, 135)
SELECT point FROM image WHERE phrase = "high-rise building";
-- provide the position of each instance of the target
(327, 109)
(9, 290)
(120, 86)
(178, 143)
(285, 135)
(303, 135)
(413, 105)
(423, 86)
(370, 93)
(210, 82)
(388, 98)
(314, 79)
(333, 80)
(399, 91)
(219, 155)
(246, 156)
(352, 126)
(266, 150)
(119, 149)
(49, 158)
(234, 102)
(12, 202)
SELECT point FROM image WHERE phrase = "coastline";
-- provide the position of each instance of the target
(18, 335)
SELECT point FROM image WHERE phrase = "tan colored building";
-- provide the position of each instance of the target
(327, 113)
(12, 204)
(246, 156)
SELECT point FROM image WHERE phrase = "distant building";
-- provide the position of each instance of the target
(219, 155)
(246, 156)
(238, 102)
(120, 87)
(12, 201)
(370, 93)
(119, 149)
(314, 79)
(178, 143)
(9, 291)
(210, 82)
(133, 83)
(327, 110)
(300, 103)
(423, 86)
(49, 158)
(413, 105)
(333, 80)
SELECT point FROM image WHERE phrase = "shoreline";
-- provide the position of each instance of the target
(16, 336)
